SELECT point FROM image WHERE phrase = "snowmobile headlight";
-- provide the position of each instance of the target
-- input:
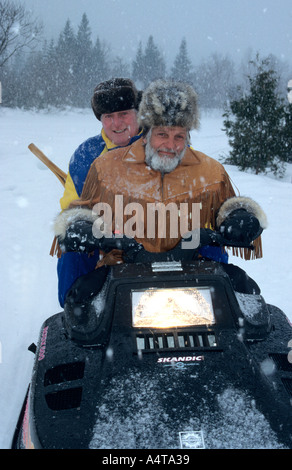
(172, 307)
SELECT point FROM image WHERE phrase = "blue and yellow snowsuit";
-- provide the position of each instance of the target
(73, 265)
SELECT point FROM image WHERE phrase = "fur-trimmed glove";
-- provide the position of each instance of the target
(240, 227)
(79, 237)
(240, 221)
(79, 229)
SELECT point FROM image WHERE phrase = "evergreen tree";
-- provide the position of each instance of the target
(34, 84)
(12, 81)
(254, 124)
(64, 58)
(154, 64)
(50, 73)
(182, 67)
(148, 66)
(100, 68)
(287, 133)
(83, 64)
(138, 71)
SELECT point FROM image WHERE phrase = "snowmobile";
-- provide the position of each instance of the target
(172, 358)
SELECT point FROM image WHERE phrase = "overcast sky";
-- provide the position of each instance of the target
(223, 26)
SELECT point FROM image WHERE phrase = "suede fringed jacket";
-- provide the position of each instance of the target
(198, 179)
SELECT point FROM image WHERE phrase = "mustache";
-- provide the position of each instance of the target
(164, 149)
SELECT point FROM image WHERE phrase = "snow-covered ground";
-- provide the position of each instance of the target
(30, 194)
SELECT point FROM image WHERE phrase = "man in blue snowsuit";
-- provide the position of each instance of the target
(115, 103)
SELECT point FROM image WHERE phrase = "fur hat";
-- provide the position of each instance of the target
(169, 103)
(116, 94)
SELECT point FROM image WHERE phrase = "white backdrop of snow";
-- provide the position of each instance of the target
(30, 196)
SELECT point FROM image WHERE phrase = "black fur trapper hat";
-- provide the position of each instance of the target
(116, 94)
(169, 103)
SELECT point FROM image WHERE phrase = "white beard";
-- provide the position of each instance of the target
(164, 164)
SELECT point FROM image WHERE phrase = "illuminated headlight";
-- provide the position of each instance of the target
(169, 308)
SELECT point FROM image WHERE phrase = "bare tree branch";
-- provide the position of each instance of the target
(17, 30)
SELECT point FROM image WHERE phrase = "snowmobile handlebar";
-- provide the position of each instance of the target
(134, 252)
(79, 237)
(238, 229)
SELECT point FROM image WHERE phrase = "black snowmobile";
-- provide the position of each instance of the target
(170, 357)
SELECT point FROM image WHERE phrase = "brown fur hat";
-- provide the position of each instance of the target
(169, 103)
(116, 94)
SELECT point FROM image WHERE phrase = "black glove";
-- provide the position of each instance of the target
(210, 237)
(240, 228)
(79, 237)
(137, 254)
(131, 249)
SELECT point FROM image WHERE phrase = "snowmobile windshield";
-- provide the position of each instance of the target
(172, 307)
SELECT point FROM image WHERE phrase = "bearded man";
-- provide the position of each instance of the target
(163, 168)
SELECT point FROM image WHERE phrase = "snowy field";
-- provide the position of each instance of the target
(30, 196)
